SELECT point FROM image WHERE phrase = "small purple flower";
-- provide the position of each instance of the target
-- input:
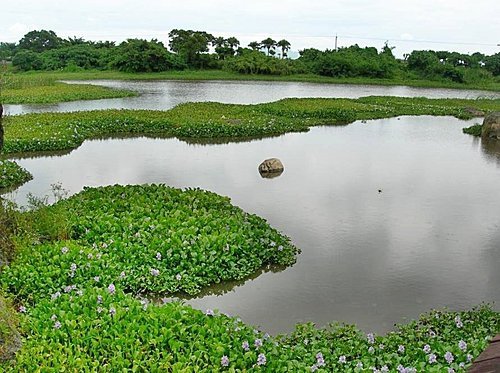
(158, 257)
(469, 358)
(122, 275)
(68, 288)
(155, 272)
(99, 299)
(384, 369)
(73, 267)
(90, 256)
(462, 345)
(449, 357)
(314, 368)
(359, 365)
(432, 358)
(342, 359)
(371, 349)
(64, 250)
(427, 349)
(258, 343)
(458, 322)
(401, 349)
(111, 289)
(245, 345)
(22, 309)
(371, 338)
(178, 277)
(224, 361)
(451, 370)
(381, 346)
(261, 359)
(57, 325)
(97, 278)
(320, 360)
(280, 248)
(112, 311)
(56, 295)
(209, 312)
(432, 334)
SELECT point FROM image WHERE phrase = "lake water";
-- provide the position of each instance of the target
(430, 238)
(162, 95)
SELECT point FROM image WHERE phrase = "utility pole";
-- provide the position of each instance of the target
(336, 37)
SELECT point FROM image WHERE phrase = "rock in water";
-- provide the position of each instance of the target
(271, 167)
(491, 126)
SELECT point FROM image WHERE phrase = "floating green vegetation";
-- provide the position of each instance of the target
(12, 175)
(86, 265)
(60, 92)
(474, 130)
(208, 120)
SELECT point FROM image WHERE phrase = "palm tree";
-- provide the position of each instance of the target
(268, 44)
(233, 42)
(285, 47)
(255, 45)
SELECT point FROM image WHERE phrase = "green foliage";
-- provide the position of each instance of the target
(83, 56)
(62, 131)
(39, 41)
(9, 336)
(137, 55)
(190, 45)
(492, 64)
(12, 175)
(474, 130)
(254, 62)
(192, 238)
(27, 60)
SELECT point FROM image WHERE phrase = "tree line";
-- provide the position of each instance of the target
(188, 49)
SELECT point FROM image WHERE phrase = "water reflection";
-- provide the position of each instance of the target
(491, 148)
(430, 239)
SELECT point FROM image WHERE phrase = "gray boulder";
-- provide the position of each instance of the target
(491, 126)
(271, 166)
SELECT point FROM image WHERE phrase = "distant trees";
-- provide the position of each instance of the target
(138, 55)
(285, 47)
(225, 47)
(269, 44)
(39, 41)
(255, 45)
(189, 45)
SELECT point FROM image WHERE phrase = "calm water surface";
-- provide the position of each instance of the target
(162, 95)
(431, 238)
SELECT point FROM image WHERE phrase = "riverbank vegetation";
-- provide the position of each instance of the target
(12, 175)
(110, 253)
(201, 51)
(208, 120)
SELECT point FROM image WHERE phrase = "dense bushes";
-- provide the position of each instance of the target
(254, 62)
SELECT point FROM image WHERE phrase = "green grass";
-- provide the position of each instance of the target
(83, 314)
(493, 85)
(474, 130)
(12, 175)
(64, 131)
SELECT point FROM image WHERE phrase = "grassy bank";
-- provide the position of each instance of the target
(63, 131)
(493, 85)
(86, 267)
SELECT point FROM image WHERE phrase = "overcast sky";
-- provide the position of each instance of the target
(461, 25)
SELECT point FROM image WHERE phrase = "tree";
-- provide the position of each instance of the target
(255, 45)
(268, 44)
(7, 50)
(190, 45)
(27, 60)
(285, 47)
(138, 55)
(39, 41)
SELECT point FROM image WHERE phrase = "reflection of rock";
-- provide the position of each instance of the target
(491, 147)
(491, 126)
(271, 168)
(474, 112)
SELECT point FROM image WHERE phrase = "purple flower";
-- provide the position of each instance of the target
(320, 360)
(209, 312)
(314, 368)
(155, 272)
(111, 289)
(99, 299)
(469, 358)
(451, 370)
(122, 275)
(280, 248)
(56, 295)
(401, 349)
(458, 322)
(342, 359)
(90, 256)
(97, 279)
(112, 311)
(432, 358)
(64, 250)
(224, 361)
(427, 349)
(57, 325)
(384, 369)
(462, 345)
(258, 343)
(371, 350)
(178, 277)
(73, 267)
(22, 309)
(371, 338)
(449, 357)
(261, 359)
(245, 345)
(158, 257)
(359, 365)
